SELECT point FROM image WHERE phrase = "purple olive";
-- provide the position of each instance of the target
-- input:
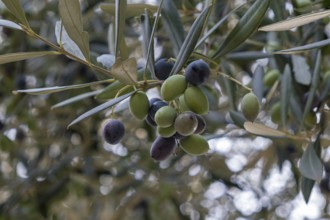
(113, 131)
(162, 148)
(197, 72)
(163, 68)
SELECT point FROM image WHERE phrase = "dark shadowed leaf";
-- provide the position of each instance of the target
(76, 99)
(237, 118)
(262, 130)
(10, 24)
(119, 31)
(301, 70)
(16, 9)
(296, 21)
(54, 89)
(286, 86)
(248, 55)
(100, 108)
(107, 60)
(310, 164)
(306, 187)
(257, 82)
(125, 71)
(172, 23)
(67, 43)
(131, 10)
(148, 41)
(303, 48)
(244, 28)
(12, 57)
(314, 86)
(190, 41)
(72, 21)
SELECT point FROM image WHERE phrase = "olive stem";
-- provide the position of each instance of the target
(234, 80)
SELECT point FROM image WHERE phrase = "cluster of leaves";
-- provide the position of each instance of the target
(302, 90)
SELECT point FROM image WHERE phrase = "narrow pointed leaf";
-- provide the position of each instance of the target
(262, 130)
(306, 187)
(54, 89)
(72, 21)
(134, 9)
(257, 82)
(125, 71)
(314, 86)
(303, 48)
(16, 9)
(301, 70)
(173, 24)
(190, 41)
(76, 99)
(12, 57)
(148, 41)
(100, 108)
(10, 24)
(296, 21)
(286, 85)
(248, 55)
(244, 28)
(310, 164)
(120, 24)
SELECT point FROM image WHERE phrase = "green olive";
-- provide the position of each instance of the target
(271, 77)
(250, 106)
(196, 100)
(139, 105)
(165, 116)
(275, 113)
(194, 145)
(166, 132)
(173, 87)
(186, 123)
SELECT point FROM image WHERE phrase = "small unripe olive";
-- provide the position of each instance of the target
(197, 72)
(194, 144)
(139, 105)
(162, 148)
(186, 123)
(113, 131)
(275, 113)
(271, 77)
(163, 68)
(166, 132)
(196, 100)
(250, 106)
(173, 87)
(310, 120)
(165, 116)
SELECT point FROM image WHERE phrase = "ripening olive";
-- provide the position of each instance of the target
(250, 106)
(196, 100)
(163, 68)
(162, 148)
(197, 72)
(165, 116)
(139, 105)
(166, 132)
(186, 123)
(201, 125)
(173, 87)
(194, 144)
(113, 131)
(271, 77)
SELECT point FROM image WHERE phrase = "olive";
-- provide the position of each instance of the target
(186, 123)
(201, 125)
(194, 145)
(197, 72)
(113, 131)
(139, 105)
(271, 77)
(275, 113)
(165, 116)
(173, 87)
(162, 148)
(196, 100)
(163, 68)
(166, 132)
(250, 106)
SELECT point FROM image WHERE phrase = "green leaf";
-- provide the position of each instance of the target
(173, 24)
(76, 99)
(54, 89)
(67, 43)
(131, 10)
(111, 90)
(301, 70)
(125, 71)
(286, 85)
(263, 130)
(314, 86)
(248, 55)
(12, 57)
(190, 41)
(16, 9)
(257, 82)
(148, 40)
(100, 108)
(306, 187)
(296, 21)
(237, 118)
(10, 24)
(120, 25)
(72, 21)
(303, 48)
(310, 164)
(244, 28)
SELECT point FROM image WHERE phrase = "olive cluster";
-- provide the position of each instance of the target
(176, 115)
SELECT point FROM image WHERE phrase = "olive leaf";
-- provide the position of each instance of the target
(262, 130)
(306, 186)
(72, 21)
(296, 21)
(305, 47)
(12, 57)
(125, 71)
(10, 24)
(244, 28)
(120, 45)
(76, 99)
(286, 87)
(310, 164)
(133, 9)
(16, 9)
(99, 108)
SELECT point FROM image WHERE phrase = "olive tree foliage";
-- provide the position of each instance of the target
(67, 66)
